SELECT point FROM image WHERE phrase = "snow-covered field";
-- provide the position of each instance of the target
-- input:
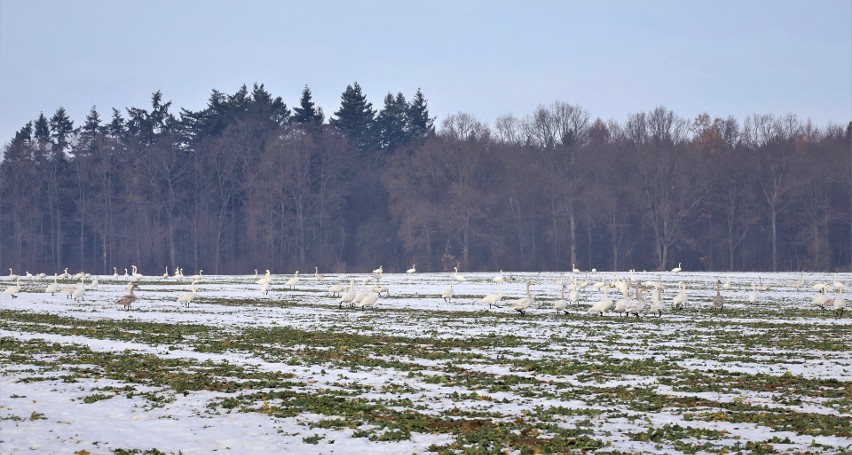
(292, 372)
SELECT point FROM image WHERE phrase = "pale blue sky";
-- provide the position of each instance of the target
(486, 58)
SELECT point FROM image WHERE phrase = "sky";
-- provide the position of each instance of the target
(485, 58)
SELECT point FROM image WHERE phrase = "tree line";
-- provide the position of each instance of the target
(248, 183)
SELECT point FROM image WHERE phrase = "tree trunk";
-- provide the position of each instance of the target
(572, 230)
(774, 227)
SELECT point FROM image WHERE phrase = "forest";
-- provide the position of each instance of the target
(248, 183)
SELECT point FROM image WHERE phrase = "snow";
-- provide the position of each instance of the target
(50, 415)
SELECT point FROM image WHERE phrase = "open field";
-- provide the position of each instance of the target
(292, 372)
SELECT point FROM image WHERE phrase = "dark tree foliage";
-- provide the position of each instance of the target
(117, 125)
(356, 119)
(392, 123)
(24, 135)
(42, 128)
(61, 128)
(307, 112)
(242, 184)
(420, 124)
(146, 125)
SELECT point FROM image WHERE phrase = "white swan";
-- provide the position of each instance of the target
(198, 276)
(267, 278)
(166, 274)
(378, 289)
(499, 278)
(78, 293)
(448, 293)
(822, 298)
(574, 295)
(657, 303)
(114, 273)
(349, 295)
(752, 296)
(800, 282)
(585, 282)
(13, 276)
(603, 305)
(336, 289)
(14, 289)
(521, 305)
(622, 303)
(52, 287)
(493, 299)
(677, 269)
(361, 293)
(292, 282)
(187, 297)
(318, 275)
(457, 276)
(638, 304)
(838, 284)
(623, 286)
(680, 299)
(136, 275)
(369, 300)
(413, 269)
(839, 303)
(574, 269)
(69, 290)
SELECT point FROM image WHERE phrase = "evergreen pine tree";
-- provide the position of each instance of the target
(393, 123)
(274, 108)
(42, 129)
(238, 102)
(61, 128)
(419, 123)
(116, 127)
(146, 125)
(306, 112)
(93, 123)
(23, 135)
(89, 130)
(161, 119)
(356, 119)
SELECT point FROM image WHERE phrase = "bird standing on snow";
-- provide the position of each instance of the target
(293, 281)
(14, 289)
(493, 299)
(187, 296)
(128, 299)
(718, 299)
(521, 305)
(448, 293)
